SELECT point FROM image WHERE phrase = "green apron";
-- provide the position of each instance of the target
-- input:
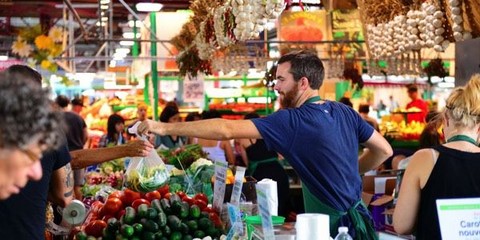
(363, 226)
(252, 166)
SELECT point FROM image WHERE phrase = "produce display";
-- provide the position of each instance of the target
(159, 214)
(402, 131)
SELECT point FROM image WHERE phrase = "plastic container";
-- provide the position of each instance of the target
(343, 234)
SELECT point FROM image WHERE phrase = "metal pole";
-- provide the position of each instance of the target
(153, 53)
(96, 55)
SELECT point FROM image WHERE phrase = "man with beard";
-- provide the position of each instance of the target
(319, 138)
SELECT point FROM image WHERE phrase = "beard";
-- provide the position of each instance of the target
(287, 99)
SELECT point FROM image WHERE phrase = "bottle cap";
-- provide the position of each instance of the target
(343, 229)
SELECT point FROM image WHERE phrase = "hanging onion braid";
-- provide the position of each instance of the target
(26, 112)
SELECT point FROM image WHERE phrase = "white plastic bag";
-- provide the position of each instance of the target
(145, 174)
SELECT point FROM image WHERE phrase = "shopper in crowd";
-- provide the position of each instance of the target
(141, 116)
(216, 150)
(363, 110)
(193, 116)
(22, 216)
(319, 138)
(76, 138)
(346, 101)
(429, 137)
(445, 171)
(418, 103)
(263, 163)
(115, 132)
(170, 114)
(77, 105)
(393, 104)
(28, 127)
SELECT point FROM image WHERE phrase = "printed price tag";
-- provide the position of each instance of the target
(237, 186)
(219, 185)
(459, 218)
(265, 213)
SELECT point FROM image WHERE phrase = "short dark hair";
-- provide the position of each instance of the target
(77, 102)
(251, 115)
(26, 111)
(305, 64)
(168, 112)
(364, 108)
(191, 116)
(412, 88)
(346, 101)
(211, 114)
(62, 101)
(22, 71)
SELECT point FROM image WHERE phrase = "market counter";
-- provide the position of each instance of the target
(282, 232)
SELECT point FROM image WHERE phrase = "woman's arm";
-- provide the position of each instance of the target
(416, 175)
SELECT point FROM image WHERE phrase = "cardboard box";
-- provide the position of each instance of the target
(377, 195)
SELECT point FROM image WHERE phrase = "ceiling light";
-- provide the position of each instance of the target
(104, 7)
(119, 55)
(104, 19)
(100, 24)
(129, 35)
(3, 57)
(104, 1)
(122, 50)
(126, 43)
(148, 7)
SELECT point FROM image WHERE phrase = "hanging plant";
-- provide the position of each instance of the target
(352, 74)
(39, 48)
(435, 68)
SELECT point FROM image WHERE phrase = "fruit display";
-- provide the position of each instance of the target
(402, 131)
(159, 214)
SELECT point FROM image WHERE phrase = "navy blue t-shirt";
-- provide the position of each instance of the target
(22, 216)
(321, 143)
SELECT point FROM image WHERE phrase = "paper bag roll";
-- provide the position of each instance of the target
(313, 226)
(271, 192)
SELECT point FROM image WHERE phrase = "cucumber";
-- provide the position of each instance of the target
(166, 206)
(204, 223)
(195, 212)
(192, 225)
(167, 231)
(199, 234)
(112, 225)
(176, 236)
(187, 237)
(156, 204)
(126, 230)
(151, 226)
(174, 222)
(158, 235)
(184, 210)
(184, 229)
(138, 228)
(162, 219)
(142, 210)
(152, 213)
(129, 216)
(148, 236)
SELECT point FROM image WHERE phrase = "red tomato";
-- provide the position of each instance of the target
(140, 201)
(209, 210)
(201, 196)
(101, 212)
(107, 216)
(95, 228)
(167, 195)
(150, 196)
(129, 196)
(164, 189)
(116, 194)
(215, 219)
(181, 194)
(112, 206)
(200, 203)
(188, 200)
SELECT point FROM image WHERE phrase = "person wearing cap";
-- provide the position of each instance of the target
(77, 105)
(416, 102)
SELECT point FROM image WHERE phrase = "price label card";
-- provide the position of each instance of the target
(219, 185)
(237, 186)
(265, 214)
(235, 221)
(459, 218)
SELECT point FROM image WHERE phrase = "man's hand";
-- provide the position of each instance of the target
(138, 148)
(148, 126)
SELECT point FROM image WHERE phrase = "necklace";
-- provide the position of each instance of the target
(312, 100)
(465, 138)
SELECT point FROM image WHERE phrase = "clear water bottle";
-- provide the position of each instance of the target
(343, 234)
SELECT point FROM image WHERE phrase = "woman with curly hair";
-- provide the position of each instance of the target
(28, 127)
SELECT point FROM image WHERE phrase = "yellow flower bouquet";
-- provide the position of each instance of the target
(39, 49)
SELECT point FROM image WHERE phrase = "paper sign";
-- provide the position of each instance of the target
(380, 183)
(237, 186)
(459, 218)
(193, 89)
(265, 214)
(219, 185)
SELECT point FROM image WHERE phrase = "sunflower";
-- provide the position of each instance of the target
(21, 48)
(43, 42)
(45, 64)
